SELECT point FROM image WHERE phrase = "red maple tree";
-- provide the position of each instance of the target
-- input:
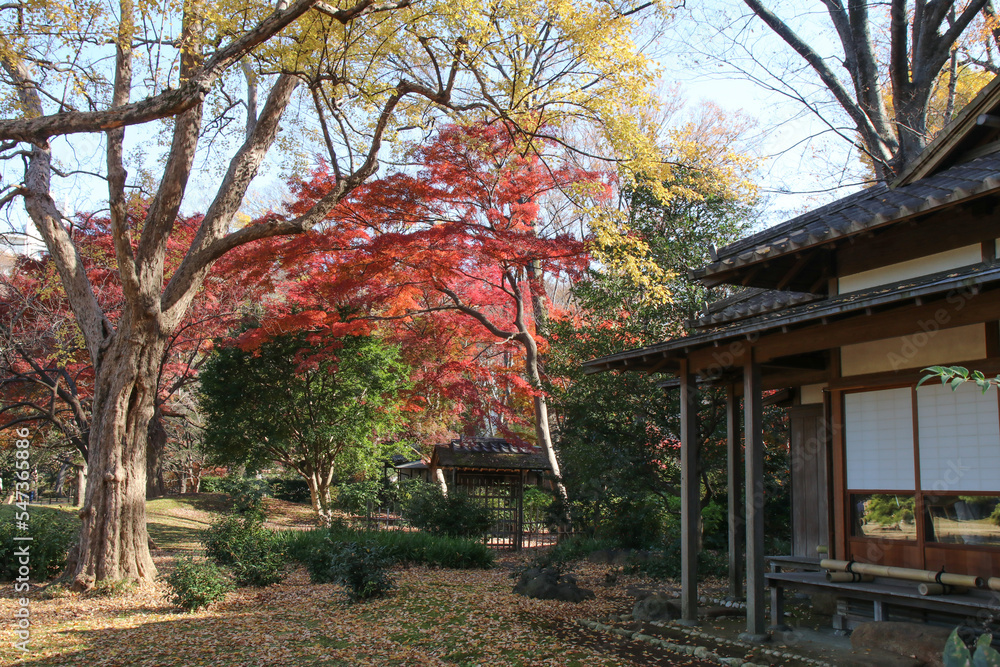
(456, 257)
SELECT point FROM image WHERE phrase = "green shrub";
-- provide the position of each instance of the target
(292, 489)
(354, 497)
(666, 563)
(632, 523)
(435, 550)
(314, 549)
(196, 584)
(995, 516)
(362, 569)
(53, 532)
(457, 514)
(956, 654)
(536, 504)
(254, 554)
(715, 522)
(247, 493)
(211, 484)
(571, 550)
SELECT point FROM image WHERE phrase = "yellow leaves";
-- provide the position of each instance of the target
(623, 253)
(691, 161)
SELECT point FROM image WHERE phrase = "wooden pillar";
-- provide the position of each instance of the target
(519, 539)
(753, 433)
(689, 495)
(735, 482)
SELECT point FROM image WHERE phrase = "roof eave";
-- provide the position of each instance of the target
(940, 148)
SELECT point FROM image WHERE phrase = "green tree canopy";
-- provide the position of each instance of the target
(294, 402)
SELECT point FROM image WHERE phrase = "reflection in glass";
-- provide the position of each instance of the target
(963, 519)
(885, 516)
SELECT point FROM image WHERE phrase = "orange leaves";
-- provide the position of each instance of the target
(448, 259)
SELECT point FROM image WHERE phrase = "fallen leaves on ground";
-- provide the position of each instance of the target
(434, 617)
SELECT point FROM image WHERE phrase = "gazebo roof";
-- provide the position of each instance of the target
(490, 454)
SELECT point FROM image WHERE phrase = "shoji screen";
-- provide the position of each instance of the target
(959, 438)
(879, 439)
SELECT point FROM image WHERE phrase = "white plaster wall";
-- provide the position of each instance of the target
(940, 347)
(811, 393)
(922, 266)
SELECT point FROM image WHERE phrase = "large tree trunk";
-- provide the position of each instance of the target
(113, 538)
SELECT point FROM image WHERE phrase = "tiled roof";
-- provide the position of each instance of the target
(875, 297)
(748, 303)
(859, 212)
(494, 453)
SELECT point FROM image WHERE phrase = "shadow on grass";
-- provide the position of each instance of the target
(176, 538)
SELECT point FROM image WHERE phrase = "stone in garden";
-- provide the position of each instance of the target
(602, 556)
(548, 584)
(656, 607)
(923, 642)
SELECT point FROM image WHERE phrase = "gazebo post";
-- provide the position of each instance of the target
(689, 495)
(754, 452)
(519, 538)
(735, 481)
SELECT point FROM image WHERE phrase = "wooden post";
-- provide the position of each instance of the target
(735, 481)
(689, 496)
(753, 433)
(519, 539)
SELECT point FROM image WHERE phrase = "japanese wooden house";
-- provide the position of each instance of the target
(843, 307)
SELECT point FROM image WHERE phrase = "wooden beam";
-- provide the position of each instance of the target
(841, 520)
(797, 267)
(753, 433)
(797, 363)
(690, 487)
(956, 309)
(965, 225)
(735, 480)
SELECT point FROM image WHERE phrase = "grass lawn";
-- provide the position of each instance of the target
(434, 617)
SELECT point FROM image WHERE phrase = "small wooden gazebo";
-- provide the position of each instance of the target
(496, 471)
